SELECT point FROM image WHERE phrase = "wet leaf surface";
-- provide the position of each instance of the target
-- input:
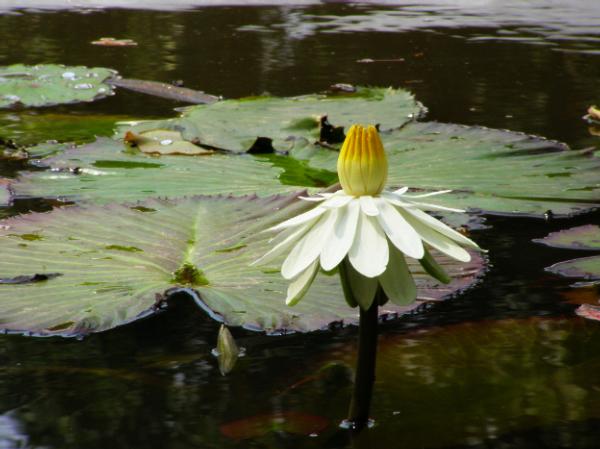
(107, 171)
(120, 263)
(235, 125)
(49, 84)
(162, 141)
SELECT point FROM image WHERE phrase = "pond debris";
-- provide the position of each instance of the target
(370, 61)
(227, 351)
(112, 42)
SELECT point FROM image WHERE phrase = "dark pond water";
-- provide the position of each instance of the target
(507, 365)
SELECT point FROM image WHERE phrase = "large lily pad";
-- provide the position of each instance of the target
(78, 270)
(109, 171)
(51, 84)
(239, 125)
(490, 171)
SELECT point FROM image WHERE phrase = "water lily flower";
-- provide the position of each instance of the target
(365, 231)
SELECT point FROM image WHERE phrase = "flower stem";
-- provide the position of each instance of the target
(358, 414)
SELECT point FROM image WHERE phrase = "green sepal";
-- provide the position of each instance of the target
(433, 268)
(348, 296)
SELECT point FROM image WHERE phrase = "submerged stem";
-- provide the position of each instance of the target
(358, 414)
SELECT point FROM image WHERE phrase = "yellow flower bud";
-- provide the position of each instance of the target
(362, 166)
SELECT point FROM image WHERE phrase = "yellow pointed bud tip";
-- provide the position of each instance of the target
(362, 164)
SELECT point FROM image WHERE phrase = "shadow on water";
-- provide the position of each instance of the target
(506, 365)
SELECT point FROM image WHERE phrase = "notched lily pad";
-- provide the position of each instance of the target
(287, 422)
(51, 84)
(490, 171)
(235, 125)
(116, 260)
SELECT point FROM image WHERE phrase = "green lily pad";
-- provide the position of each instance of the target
(108, 171)
(490, 171)
(51, 84)
(257, 123)
(78, 270)
(33, 127)
(585, 237)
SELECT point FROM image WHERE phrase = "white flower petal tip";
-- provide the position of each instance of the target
(299, 286)
(312, 199)
(337, 201)
(400, 191)
(425, 195)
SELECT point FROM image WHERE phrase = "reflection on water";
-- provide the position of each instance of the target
(503, 380)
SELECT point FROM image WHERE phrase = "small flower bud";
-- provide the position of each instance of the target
(362, 166)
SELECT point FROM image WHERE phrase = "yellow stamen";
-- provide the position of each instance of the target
(362, 166)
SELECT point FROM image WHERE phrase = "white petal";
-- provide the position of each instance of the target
(369, 252)
(437, 240)
(400, 233)
(340, 240)
(299, 286)
(442, 228)
(423, 195)
(314, 199)
(363, 288)
(309, 247)
(299, 219)
(400, 191)
(397, 281)
(339, 200)
(429, 206)
(397, 200)
(368, 206)
(284, 241)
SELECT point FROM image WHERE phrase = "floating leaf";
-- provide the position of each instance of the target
(585, 237)
(277, 123)
(289, 422)
(107, 171)
(50, 84)
(163, 90)
(118, 263)
(162, 141)
(492, 171)
(112, 42)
